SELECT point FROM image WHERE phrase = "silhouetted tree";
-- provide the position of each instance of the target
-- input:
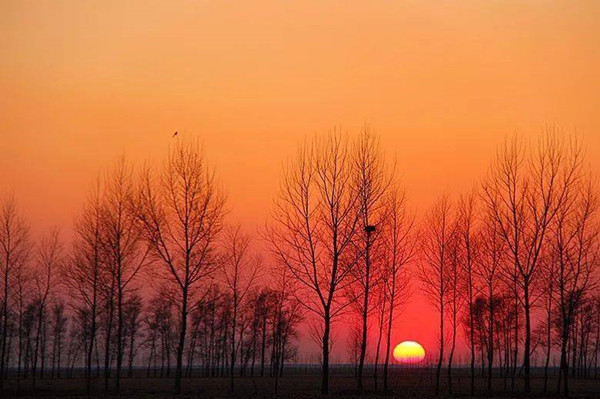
(181, 210)
(400, 248)
(49, 261)
(14, 250)
(59, 329)
(433, 268)
(467, 245)
(83, 271)
(315, 220)
(545, 326)
(574, 238)
(524, 190)
(22, 285)
(132, 312)
(453, 292)
(239, 270)
(124, 255)
(487, 269)
(372, 182)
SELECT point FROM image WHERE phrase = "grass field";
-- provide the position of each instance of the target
(404, 383)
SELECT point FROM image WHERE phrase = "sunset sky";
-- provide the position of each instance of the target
(442, 83)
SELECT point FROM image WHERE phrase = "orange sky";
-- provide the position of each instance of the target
(442, 83)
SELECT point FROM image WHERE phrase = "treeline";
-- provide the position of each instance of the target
(153, 278)
(341, 227)
(513, 265)
(156, 278)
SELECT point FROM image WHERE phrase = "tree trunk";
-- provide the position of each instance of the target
(516, 348)
(4, 323)
(441, 355)
(181, 344)
(471, 319)
(450, 359)
(119, 334)
(263, 346)
(233, 348)
(90, 349)
(389, 335)
(38, 335)
(491, 340)
(107, 341)
(564, 367)
(548, 341)
(365, 315)
(379, 338)
(527, 349)
(131, 346)
(454, 310)
(325, 343)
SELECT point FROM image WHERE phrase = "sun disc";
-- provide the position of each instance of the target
(409, 352)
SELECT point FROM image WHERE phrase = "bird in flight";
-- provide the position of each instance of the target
(174, 134)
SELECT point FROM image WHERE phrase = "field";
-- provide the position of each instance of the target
(296, 383)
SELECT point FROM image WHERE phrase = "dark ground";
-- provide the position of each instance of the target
(404, 383)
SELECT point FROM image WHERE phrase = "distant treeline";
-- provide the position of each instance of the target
(157, 278)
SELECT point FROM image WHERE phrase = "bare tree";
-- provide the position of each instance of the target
(161, 328)
(22, 285)
(433, 269)
(315, 219)
(524, 190)
(133, 311)
(264, 307)
(121, 246)
(575, 248)
(487, 269)
(50, 258)
(455, 298)
(467, 246)
(59, 327)
(14, 249)
(400, 248)
(107, 317)
(83, 270)
(381, 299)
(181, 212)
(353, 343)
(239, 271)
(286, 315)
(372, 183)
(545, 327)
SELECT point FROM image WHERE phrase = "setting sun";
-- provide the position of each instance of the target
(409, 352)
